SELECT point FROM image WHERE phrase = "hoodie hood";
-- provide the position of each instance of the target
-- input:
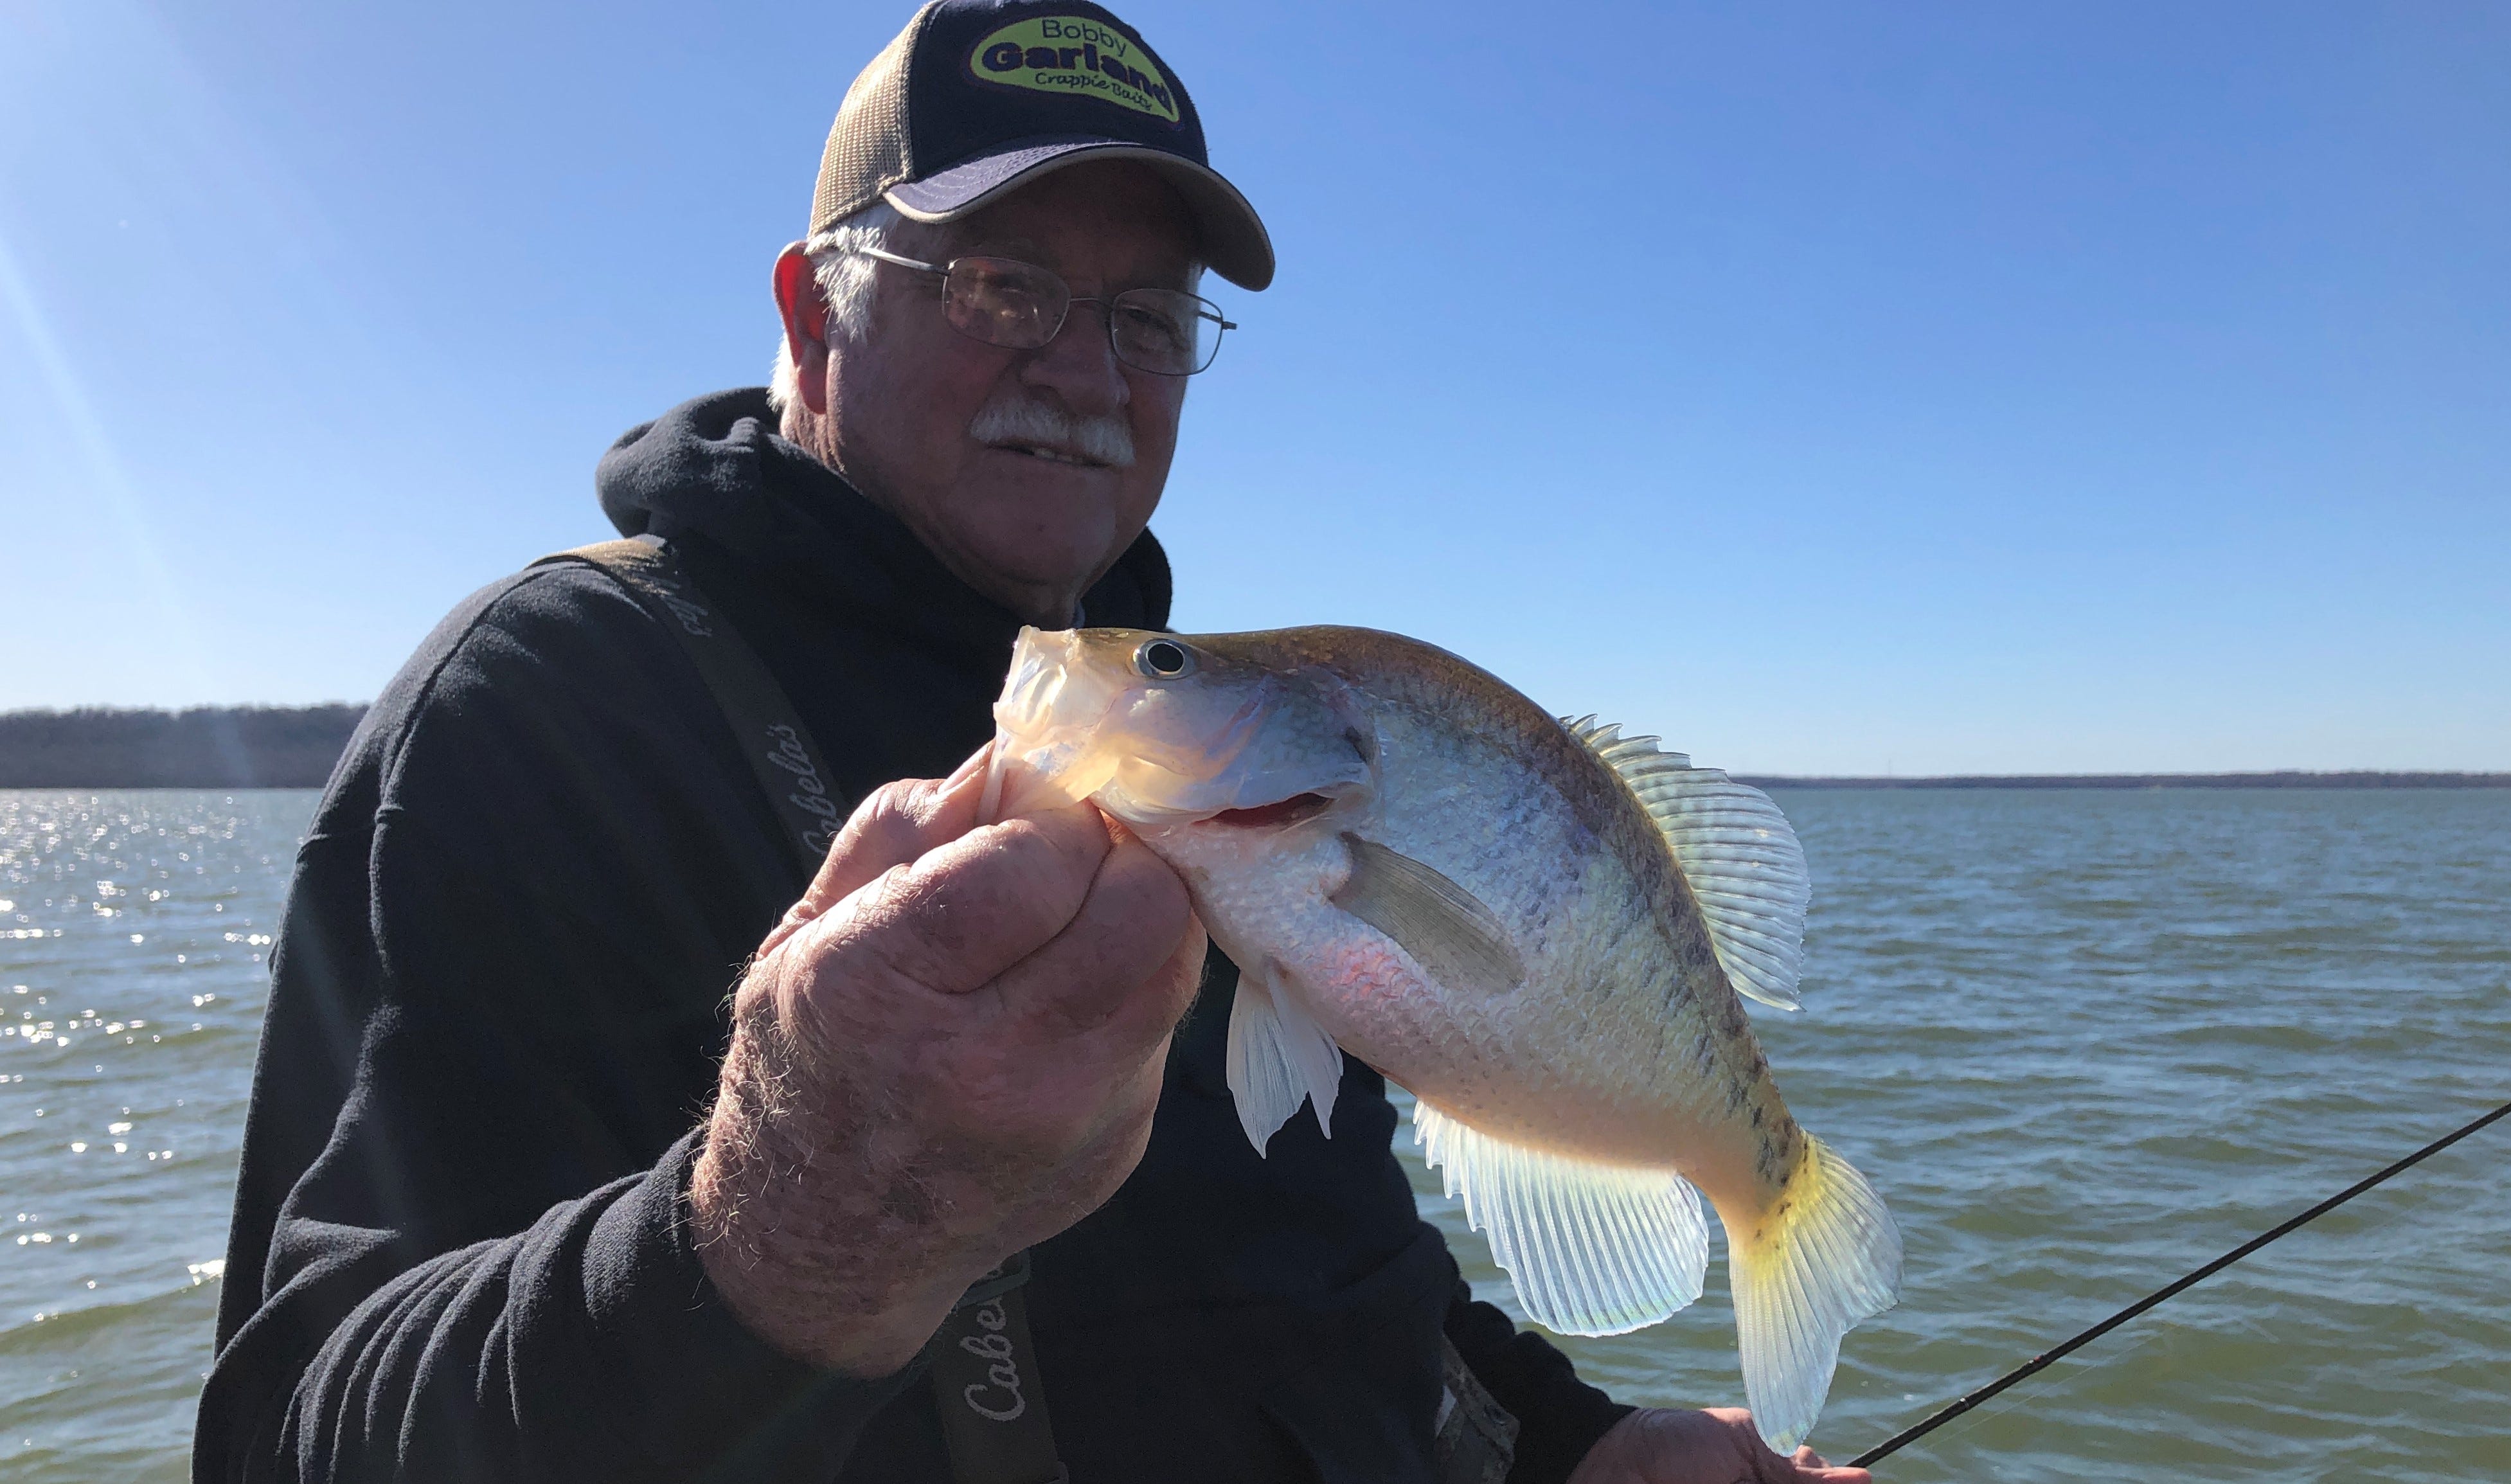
(715, 467)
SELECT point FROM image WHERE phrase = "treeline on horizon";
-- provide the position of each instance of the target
(203, 747)
(295, 746)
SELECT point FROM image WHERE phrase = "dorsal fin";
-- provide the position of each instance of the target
(1735, 849)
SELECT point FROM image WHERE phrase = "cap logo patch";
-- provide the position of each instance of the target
(1073, 55)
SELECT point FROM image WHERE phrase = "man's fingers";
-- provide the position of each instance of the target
(969, 909)
(1807, 1463)
(1130, 930)
(899, 823)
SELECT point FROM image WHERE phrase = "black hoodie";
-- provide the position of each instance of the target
(460, 1248)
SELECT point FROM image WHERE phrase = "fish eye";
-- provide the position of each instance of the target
(1164, 659)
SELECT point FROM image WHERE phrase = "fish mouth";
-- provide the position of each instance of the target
(1274, 815)
(1075, 723)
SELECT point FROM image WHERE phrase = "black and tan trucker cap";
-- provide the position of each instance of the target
(978, 97)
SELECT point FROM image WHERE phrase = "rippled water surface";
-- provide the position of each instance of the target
(134, 933)
(2084, 1042)
(2081, 1041)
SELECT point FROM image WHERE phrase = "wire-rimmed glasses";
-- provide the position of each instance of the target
(1021, 307)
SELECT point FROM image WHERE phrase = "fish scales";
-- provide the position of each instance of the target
(1620, 931)
(1537, 929)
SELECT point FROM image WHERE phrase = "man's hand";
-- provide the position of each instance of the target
(949, 1049)
(1655, 1446)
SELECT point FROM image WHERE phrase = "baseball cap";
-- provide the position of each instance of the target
(978, 97)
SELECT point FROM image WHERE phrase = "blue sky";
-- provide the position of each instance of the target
(1831, 388)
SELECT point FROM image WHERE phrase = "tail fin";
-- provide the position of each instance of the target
(1824, 1258)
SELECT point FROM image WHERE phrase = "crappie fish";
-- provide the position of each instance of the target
(1538, 928)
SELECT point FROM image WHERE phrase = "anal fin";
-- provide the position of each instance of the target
(1278, 1057)
(1592, 1249)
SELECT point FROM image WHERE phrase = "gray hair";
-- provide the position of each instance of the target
(845, 279)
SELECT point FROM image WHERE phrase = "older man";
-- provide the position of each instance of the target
(964, 1198)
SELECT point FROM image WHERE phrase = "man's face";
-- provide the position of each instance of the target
(919, 412)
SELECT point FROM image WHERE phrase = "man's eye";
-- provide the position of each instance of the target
(1003, 291)
(1149, 326)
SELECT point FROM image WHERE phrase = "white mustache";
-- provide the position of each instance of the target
(1102, 440)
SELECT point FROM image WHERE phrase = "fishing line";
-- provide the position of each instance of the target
(2041, 1362)
(2057, 1383)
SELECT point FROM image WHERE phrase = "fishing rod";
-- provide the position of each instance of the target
(2041, 1362)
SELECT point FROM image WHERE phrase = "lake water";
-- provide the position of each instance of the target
(2081, 1041)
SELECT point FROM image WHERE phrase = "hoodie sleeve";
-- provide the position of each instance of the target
(1558, 1417)
(461, 1242)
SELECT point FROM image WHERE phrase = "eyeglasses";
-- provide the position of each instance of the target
(1021, 306)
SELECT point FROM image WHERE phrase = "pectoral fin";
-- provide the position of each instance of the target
(1278, 1056)
(1445, 928)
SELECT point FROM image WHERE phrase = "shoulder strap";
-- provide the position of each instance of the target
(986, 1385)
(983, 1363)
(774, 742)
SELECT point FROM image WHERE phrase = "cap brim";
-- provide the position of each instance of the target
(1235, 244)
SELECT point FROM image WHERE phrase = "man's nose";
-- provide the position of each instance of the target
(1079, 365)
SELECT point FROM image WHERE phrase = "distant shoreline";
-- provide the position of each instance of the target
(295, 746)
(205, 747)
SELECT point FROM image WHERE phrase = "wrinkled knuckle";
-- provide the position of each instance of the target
(1011, 897)
(898, 796)
(893, 813)
(1078, 835)
(1036, 868)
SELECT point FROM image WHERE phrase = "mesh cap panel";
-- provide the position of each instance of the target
(868, 150)
(976, 98)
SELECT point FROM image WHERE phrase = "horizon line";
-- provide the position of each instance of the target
(2252, 778)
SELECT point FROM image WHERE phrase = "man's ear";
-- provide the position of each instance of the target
(806, 321)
